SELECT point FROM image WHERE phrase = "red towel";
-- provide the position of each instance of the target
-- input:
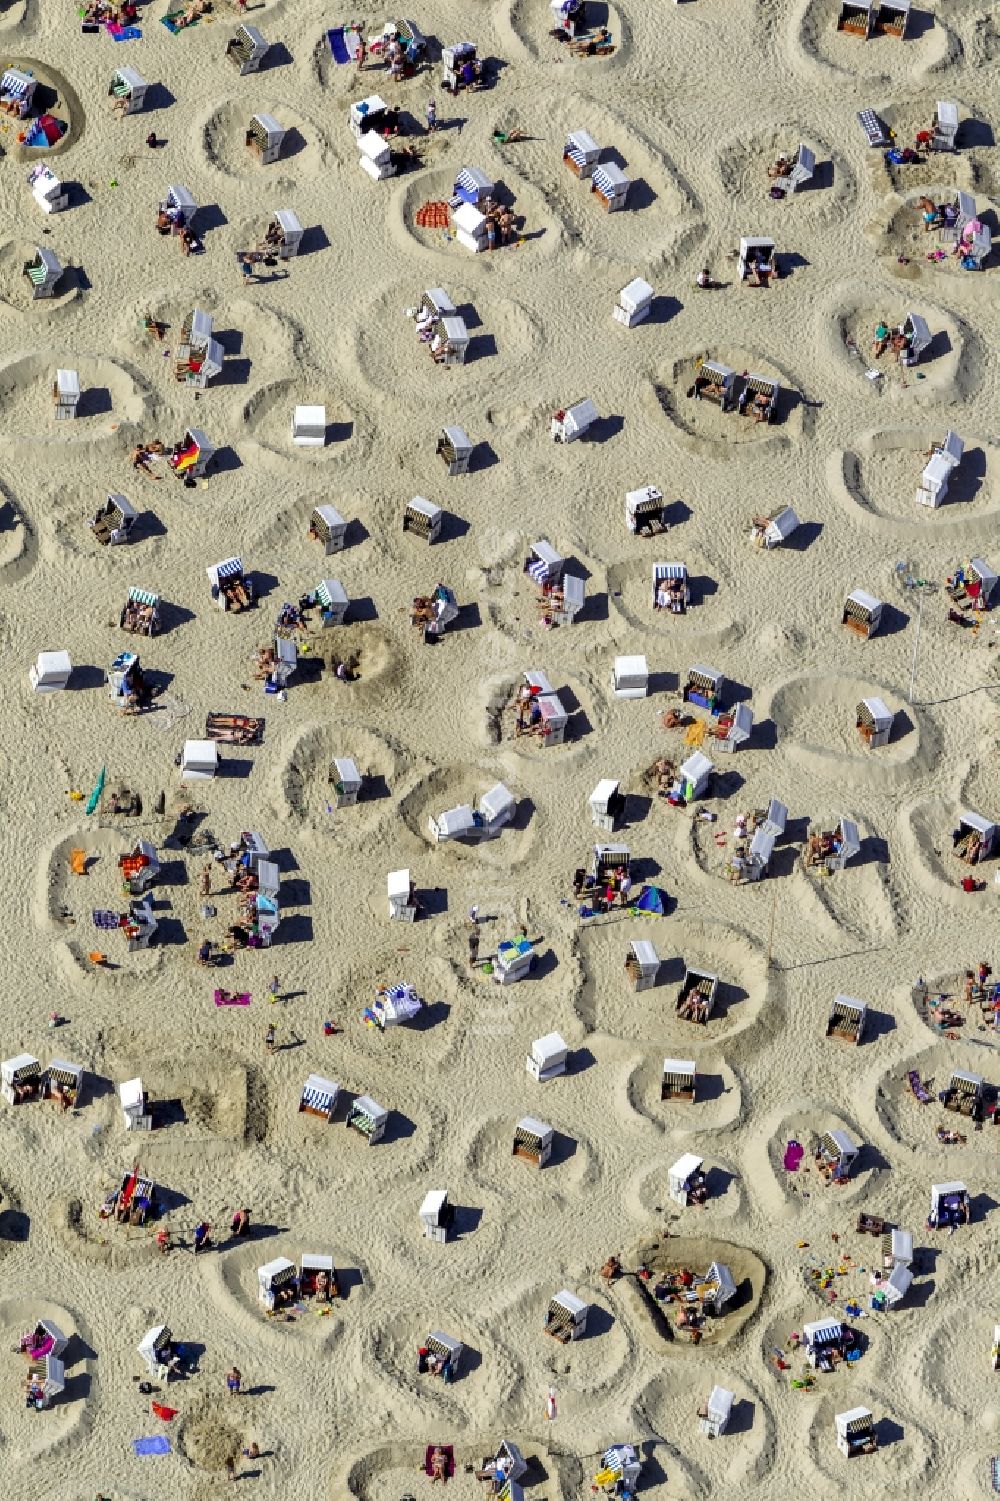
(166, 1413)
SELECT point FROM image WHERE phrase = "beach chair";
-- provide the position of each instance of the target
(876, 131)
(801, 172)
(264, 138)
(43, 273)
(247, 50)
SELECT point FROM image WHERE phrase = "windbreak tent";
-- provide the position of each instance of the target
(652, 901)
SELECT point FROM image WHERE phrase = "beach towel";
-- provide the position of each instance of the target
(449, 1459)
(166, 1413)
(125, 33)
(794, 1154)
(222, 999)
(170, 22)
(344, 43)
(158, 1444)
(995, 1473)
(433, 215)
(917, 1089)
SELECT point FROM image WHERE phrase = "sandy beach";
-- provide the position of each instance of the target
(693, 103)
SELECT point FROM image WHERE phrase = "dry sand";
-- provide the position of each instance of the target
(695, 101)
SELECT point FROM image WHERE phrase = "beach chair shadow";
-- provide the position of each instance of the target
(314, 239)
(484, 456)
(209, 217)
(662, 310)
(804, 535)
(276, 56)
(158, 97)
(94, 402)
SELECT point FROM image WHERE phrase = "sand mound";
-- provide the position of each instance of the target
(209, 1436)
(110, 401)
(303, 150)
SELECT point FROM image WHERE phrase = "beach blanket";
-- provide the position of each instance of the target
(433, 215)
(222, 998)
(344, 43)
(158, 1444)
(449, 1459)
(125, 33)
(995, 1473)
(170, 22)
(166, 1413)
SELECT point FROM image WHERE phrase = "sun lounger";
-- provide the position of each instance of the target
(234, 729)
(917, 1089)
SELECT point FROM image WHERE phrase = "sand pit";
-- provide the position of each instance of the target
(726, 1199)
(708, 616)
(928, 1130)
(539, 231)
(531, 28)
(659, 205)
(28, 1436)
(816, 720)
(805, 1128)
(927, 46)
(652, 1015)
(913, 253)
(704, 421)
(942, 370)
(883, 474)
(497, 716)
(503, 337)
(743, 168)
(110, 402)
(573, 1168)
(55, 96)
(268, 417)
(718, 1102)
(308, 767)
(656, 1318)
(307, 1321)
(903, 1444)
(16, 292)
(929, 827)
(451, 786)
(210, 1436)
(742, 1455)
(303, 151)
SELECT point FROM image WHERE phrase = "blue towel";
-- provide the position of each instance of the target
(338, 46)
(158, 1444)
(127, 34)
